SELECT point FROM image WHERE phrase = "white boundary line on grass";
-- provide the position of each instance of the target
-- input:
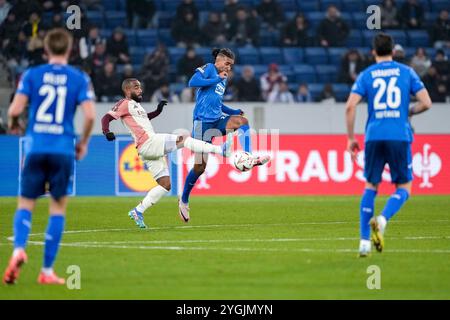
(225, 226)
(237, 249)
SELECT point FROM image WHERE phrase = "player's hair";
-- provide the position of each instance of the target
(223, 52)
(383, 44)
(127, 82)
(58, 41)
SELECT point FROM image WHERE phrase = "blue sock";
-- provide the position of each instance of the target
(191, 179)
(53, 236)
(245, 138)
(366, 212)
(395, 202)
(22, 226)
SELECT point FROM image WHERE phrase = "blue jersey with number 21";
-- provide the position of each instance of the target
(53, 91)
(387, 87)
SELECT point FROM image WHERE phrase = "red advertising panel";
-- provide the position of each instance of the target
(319, 164)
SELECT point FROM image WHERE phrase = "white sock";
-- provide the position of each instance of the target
(151, 198)
(47, 271)
(364, 244)
(382, 223)
(201, 146)
(16, 251)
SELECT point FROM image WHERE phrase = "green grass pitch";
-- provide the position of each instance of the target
(237, 248)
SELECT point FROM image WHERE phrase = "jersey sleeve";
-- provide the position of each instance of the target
(204, 70)
(86, 92)
(359, 86)
(120, 109)
(24, 86)
(416, 83)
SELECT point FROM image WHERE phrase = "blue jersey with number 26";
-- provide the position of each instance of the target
(54, 91)
(387, 87)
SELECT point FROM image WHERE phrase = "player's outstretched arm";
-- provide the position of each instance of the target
(231, 111)
(199, 81)
(89, 118)
(158, 110)
(17, 106)
(350, 115)
(423, 102)
(107, 118)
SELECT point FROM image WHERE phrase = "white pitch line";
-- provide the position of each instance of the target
(177, 248)
(252, 240)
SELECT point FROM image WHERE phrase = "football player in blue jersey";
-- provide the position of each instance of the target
(212, 118)
(387, 86)
(52, 92)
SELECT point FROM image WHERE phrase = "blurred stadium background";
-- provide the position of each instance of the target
(293, 71)
(296, 61)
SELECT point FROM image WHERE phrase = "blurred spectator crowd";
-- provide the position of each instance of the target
(287, 50)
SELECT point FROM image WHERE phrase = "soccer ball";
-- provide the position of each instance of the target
(243, 161)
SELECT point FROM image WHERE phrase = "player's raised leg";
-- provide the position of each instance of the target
(199, 146)
(22, 226)
(242, 126)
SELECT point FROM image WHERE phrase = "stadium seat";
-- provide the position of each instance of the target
(315, 89)
(177, 87)
(418, 38)
(106, 33)
(305, 73)
(316, 55)
(96, 18)
(409, 52)
(326, 3)
(109, 5)
(165, 37)
(359, 20)
(398, 35)
(147, 37)
(368, 37)
(288, 72)
(130, 34)
(290, 15)
(438, 5)
(347, 17)
(159, 5)
(354, 38)
(335, 55)
(269, 38)
(326, 73)
(216, 5)
(430, 18)
(314, 18)
(203, 17)
(205, 53)
(293, 55)
(259, 69)
(165, 19)
(137, 54)
(248, 56)
(116, 19)
(308, 5)
(271, 55)
(341, 91)
(175, 54)
(171, 5)
(288, 5)
(353, 6)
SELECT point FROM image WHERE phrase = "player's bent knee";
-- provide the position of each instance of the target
(244, 121)
(199, 169)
